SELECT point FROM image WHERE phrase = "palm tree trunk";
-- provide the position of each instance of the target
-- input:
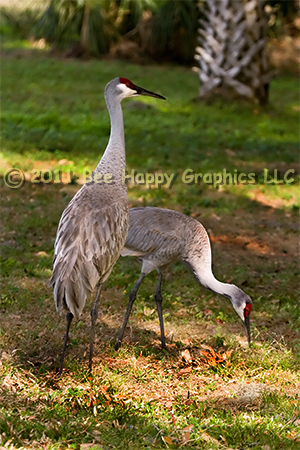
(231, 52)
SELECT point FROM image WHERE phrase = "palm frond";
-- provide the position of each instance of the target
(130, 13)
(65, 22)
(174, 29)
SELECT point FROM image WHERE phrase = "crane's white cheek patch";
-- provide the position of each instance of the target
(239, 311)
(126, 90)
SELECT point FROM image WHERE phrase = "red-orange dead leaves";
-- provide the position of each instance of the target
(205, 357)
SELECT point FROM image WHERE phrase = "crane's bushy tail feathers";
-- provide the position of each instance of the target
(71, 292)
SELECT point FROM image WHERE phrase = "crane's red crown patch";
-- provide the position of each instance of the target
(127, 83)
(247, 309)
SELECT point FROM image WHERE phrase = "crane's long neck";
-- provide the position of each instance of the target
(208, 280)
(239, 299)
(113, 160)
(117, 137)
(202, 270)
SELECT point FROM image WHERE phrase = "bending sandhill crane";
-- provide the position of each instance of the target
(93, 227)
(158, 237)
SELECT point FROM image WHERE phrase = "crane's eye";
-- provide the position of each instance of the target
(247, 309)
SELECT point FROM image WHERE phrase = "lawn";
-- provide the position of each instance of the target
(208, 391)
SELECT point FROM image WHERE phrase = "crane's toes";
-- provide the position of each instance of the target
(117, 346)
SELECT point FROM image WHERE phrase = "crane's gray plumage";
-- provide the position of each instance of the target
(89, 240)
(93, 228)
(158, 237)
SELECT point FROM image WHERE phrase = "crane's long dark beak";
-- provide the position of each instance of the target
(247, 328)
(142, 91)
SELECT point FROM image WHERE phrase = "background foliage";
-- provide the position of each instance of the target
(161, 29)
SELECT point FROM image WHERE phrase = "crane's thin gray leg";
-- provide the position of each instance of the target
(69, 320)
(94, 316)
(158, 300)
(132, 297)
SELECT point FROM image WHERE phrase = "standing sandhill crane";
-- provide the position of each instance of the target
(93, 227)
(158, 237)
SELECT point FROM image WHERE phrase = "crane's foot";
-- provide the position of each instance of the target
(117, 346)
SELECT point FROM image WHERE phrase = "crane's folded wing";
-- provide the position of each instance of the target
(85, 252)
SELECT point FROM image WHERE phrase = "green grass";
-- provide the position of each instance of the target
(54, 118)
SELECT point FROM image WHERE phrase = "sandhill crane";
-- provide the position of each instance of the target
(158, 237)
(93, 227)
